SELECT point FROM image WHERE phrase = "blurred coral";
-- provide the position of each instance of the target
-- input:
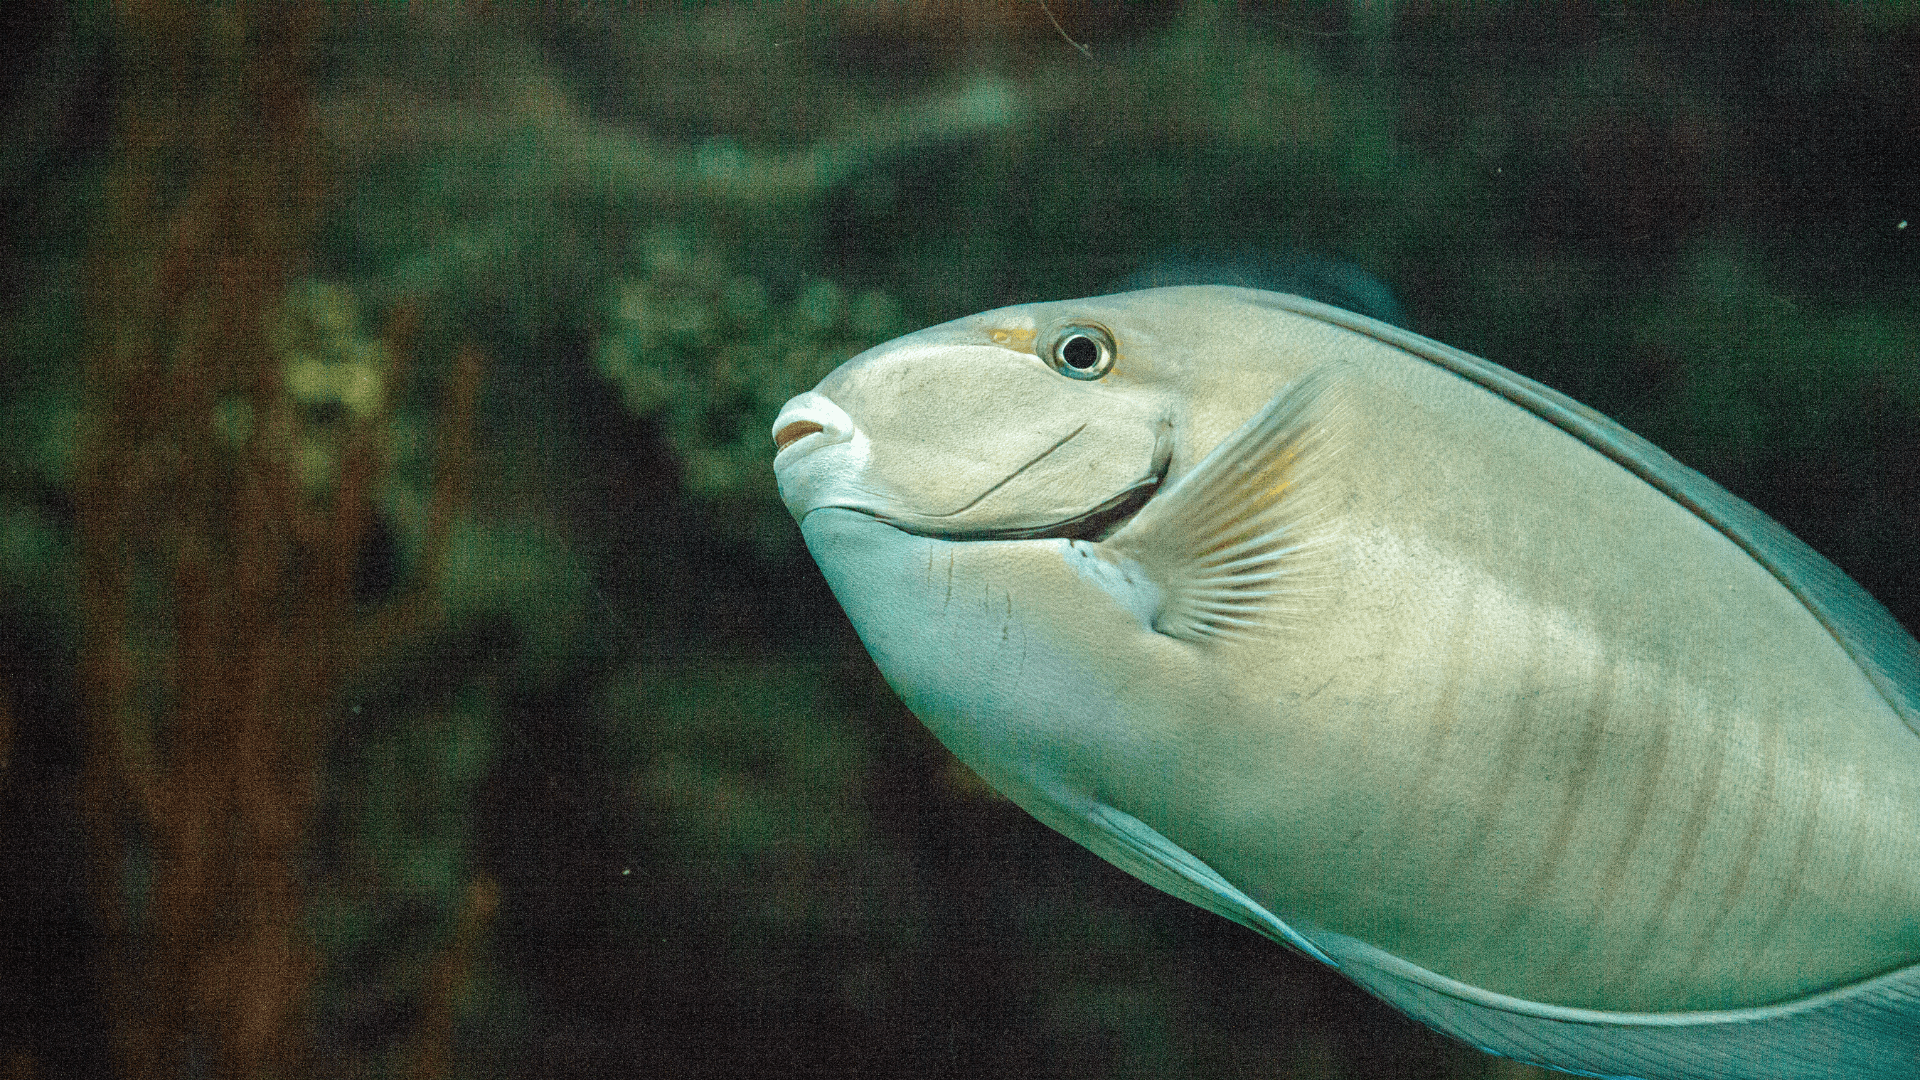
(707, 354)
(231, 449)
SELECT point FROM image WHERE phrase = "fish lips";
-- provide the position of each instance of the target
(828, 465)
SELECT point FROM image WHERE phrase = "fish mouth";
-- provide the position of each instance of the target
(809, 422)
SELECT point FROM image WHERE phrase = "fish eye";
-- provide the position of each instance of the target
(1081, 352)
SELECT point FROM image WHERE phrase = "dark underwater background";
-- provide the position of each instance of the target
(406, 666)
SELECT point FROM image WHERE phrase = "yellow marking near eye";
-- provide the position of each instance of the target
(1020, 339)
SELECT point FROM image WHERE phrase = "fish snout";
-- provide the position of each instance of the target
(807, 423)
(822, 460)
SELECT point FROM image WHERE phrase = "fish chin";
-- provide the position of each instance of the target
(819, 488)
(1095, 523)
(824, 474)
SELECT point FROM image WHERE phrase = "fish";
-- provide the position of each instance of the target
(1409, 663)
(1281, 270)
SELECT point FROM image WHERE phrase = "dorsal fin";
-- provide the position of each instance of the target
(1231, 542)
(1883, 649)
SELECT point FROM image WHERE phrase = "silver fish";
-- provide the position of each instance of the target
(1407, 662)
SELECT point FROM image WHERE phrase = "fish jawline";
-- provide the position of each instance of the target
(1096, 523)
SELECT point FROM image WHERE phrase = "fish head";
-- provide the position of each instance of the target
(1050, 419)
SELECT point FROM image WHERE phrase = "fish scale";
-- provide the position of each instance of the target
(1371, 461)
(1680, 870)
(1399, 659)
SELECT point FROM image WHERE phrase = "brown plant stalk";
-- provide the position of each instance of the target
(217, 598)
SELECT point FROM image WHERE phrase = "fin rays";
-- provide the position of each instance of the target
(1232, 544)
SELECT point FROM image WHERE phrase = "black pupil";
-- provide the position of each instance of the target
(1080, 352)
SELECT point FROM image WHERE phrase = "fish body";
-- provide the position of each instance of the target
(1400, 659)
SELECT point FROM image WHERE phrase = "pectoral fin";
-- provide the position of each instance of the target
(1235, 545)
